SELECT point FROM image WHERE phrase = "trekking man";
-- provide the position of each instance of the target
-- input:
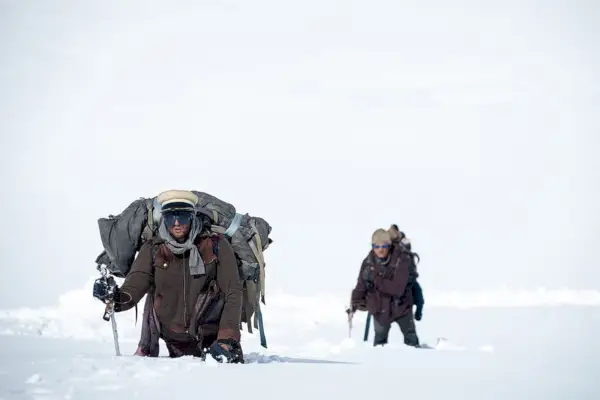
(399, 238)
(193, 278)
(383, 289)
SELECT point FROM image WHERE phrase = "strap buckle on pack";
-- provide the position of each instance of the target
(235, 224)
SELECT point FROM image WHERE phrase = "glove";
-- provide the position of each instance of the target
(359, 306)
(419, 313)
(104, 289)
(226, 350)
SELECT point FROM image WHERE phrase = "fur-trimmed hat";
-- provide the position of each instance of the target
(171, 200)
(381, 236)
(394, 232)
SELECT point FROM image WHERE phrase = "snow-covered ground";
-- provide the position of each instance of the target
(527, 345)
(474, 125)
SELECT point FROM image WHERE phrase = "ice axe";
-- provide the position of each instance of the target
(350, 316)
(109, 312)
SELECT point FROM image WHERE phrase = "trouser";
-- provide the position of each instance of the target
(178, 344)
(189, 347)
(198, 349)
(407, 327)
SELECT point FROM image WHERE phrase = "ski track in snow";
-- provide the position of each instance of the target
(490, 350)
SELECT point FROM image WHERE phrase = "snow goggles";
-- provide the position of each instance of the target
(184, 217)
(381, 246)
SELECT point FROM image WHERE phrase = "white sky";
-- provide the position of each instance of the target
(473, 126)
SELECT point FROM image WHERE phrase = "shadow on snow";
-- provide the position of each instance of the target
(256, 358)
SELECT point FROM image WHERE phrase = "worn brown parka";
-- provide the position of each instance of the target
(384, 288)
(180, 296)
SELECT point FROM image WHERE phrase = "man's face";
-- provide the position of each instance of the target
(179, 224)
(381, 249)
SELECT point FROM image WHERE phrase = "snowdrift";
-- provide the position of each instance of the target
(77, 315)
(309, 337)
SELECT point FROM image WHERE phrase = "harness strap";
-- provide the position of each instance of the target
(217, 229)
(148, 230)
(252, 304)
(235, 224)
(150, 207)
(258, 253)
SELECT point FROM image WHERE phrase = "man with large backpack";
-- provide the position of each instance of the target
(191, 275)
(383, 288)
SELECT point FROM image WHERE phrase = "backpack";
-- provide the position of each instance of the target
(123, 235)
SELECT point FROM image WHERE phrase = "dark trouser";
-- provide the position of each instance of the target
(195, 349)
(407, 326)
(189, 347)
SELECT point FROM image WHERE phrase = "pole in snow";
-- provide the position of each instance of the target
(109, 312)
(367, 327)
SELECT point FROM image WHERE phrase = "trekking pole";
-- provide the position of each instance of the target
(367, 327)
(109, 312)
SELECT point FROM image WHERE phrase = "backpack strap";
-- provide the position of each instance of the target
(259, 296)
(367, 274)
(235, 224)
(216, 239)
(257, 250)
(215, 215)
(149, 228)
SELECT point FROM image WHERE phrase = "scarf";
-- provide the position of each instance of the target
(196, 264)
(384, 261)
(383, 264)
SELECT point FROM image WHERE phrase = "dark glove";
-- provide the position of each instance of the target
(226, 350)
(419, 313)
(360, 305)
(104, 289)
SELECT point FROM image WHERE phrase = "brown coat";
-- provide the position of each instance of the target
(178, 294)
(384, 290)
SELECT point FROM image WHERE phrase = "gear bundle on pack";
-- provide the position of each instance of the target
(123, 235)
